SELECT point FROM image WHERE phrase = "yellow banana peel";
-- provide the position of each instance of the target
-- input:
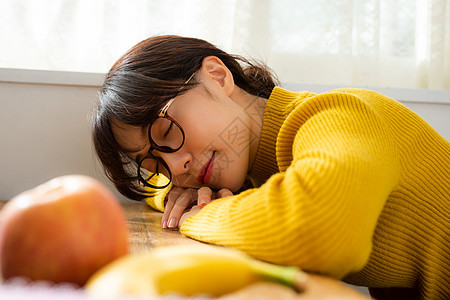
(186, 269)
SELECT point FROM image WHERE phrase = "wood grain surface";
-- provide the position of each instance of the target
(145, 230)
(146, 233)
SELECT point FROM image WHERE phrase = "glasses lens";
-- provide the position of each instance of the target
(166, 135)
(154, 173)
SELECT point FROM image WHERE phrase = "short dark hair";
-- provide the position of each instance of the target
(139, 84)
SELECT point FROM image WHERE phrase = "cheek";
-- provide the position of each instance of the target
(231, 169)
(203, 132)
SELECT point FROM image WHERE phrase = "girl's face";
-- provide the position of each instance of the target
(221, 136)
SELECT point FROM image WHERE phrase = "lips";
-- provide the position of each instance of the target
(206, 171)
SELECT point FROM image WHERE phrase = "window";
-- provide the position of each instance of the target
(390, 43)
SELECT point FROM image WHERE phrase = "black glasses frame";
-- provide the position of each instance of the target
(164, 149)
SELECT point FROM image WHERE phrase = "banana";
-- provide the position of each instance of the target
(186, 269)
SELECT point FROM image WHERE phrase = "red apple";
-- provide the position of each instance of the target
(61, 231)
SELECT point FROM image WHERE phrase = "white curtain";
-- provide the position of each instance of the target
(389, 43)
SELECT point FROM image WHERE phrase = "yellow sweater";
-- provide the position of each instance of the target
(354, 186)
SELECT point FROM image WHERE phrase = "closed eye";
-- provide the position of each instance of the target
(168, 129)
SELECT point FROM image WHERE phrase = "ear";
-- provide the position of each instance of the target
(214, 69)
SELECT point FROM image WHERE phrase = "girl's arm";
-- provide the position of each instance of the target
(179, 199)
(338, 165)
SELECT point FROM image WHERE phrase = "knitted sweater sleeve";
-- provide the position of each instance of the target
(157, 198)
(338, 164)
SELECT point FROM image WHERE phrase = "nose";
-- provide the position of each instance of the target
(179, 162)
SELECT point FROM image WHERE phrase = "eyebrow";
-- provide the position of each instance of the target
(134, 150)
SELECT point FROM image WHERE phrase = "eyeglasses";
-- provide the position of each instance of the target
(165, 135)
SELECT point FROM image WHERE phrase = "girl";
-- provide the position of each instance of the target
(349, 183)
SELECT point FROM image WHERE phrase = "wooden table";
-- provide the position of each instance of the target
(145, 229)
(145, 232)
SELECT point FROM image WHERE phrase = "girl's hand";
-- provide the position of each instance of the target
(179, 199)
(195, 209)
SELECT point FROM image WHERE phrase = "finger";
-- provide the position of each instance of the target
(179, 207)
(166, 214)
(204, 196)
(172, 197)
(195, 209)
(224, 193)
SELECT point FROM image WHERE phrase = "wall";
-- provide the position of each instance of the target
(44, 131)
(44, 125)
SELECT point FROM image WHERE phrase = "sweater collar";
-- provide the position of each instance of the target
(279, 105)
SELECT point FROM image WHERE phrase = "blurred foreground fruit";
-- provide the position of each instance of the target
(186, 269)
(61, 231)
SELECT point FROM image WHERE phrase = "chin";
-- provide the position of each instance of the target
(235, 186)
(232, 181)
